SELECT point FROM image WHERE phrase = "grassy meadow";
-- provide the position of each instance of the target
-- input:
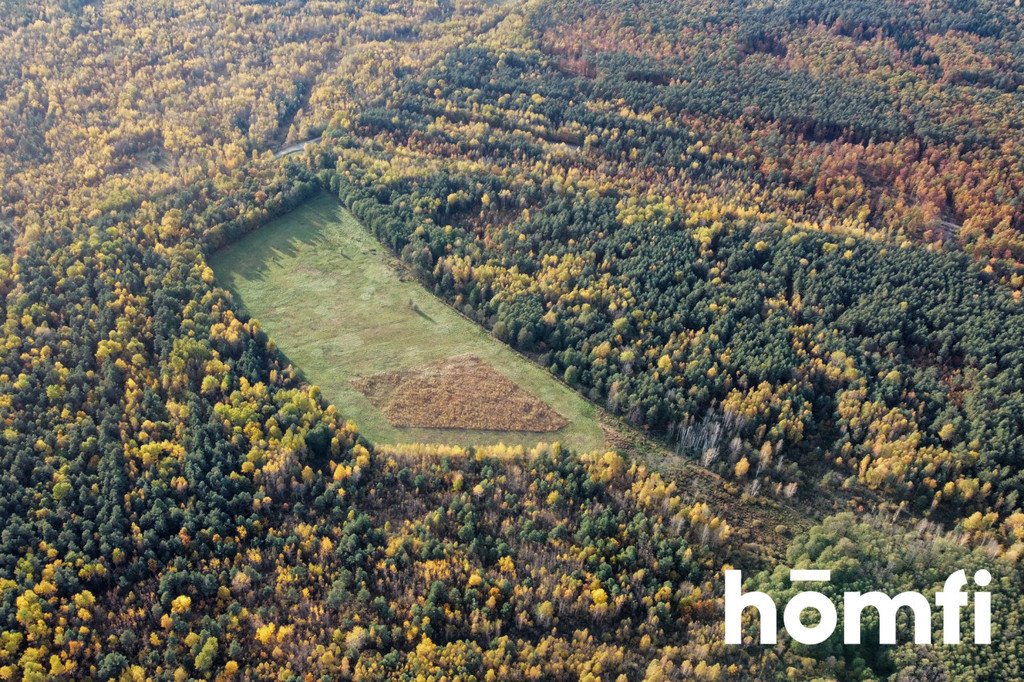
(341, 307)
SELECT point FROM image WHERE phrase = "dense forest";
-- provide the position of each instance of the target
(782, 238)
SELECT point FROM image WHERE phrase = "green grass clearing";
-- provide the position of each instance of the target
(340, 306)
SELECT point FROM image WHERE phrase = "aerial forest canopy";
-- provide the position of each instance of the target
(785, 240)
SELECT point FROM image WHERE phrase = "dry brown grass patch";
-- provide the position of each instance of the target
(462, 392)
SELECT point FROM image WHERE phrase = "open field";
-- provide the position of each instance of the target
(342, 310)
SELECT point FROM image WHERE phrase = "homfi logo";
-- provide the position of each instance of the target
(951, 599)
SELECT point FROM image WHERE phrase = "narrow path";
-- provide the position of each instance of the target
(295, 147)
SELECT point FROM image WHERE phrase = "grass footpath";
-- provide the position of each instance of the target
(340, 307)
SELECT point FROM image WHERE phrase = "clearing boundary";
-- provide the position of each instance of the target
(341, 308)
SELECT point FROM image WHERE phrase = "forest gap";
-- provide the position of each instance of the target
(349, 316)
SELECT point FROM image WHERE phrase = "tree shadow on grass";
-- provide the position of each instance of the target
(279, 241)
(419, 311)
(255, 265)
